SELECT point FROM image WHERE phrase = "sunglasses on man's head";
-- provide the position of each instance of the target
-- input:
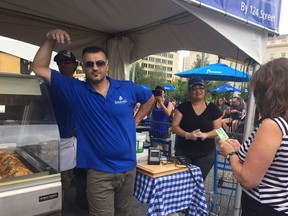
(99, 63)
(64, 62)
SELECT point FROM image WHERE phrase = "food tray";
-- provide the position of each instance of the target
(155, 171)
(31, 161)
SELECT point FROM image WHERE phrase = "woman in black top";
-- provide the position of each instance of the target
(195, 122)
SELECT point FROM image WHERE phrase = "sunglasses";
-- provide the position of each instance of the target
(197, 88)
(99, 63)
(64, 62)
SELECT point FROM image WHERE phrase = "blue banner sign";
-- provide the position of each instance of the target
(265, 13)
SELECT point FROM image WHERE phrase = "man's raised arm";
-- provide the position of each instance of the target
(40, 65)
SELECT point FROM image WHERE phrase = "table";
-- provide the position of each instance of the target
(172, 193)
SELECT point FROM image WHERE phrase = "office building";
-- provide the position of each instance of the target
(9, 63)
(190, 60)
(166, 62)
(13, 64)
(277, 47)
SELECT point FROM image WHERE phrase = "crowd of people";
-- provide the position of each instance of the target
(233, 113)
(103, 112)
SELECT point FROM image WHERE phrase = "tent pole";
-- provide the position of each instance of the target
(203, 59)
(248, 128)
(133, 71)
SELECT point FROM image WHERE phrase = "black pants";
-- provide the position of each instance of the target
(251, 207)
(204, 161)
(81, 186)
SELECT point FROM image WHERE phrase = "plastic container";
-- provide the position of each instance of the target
(140, 139)
(142, 157)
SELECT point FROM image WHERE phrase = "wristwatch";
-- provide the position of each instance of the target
(230, 154)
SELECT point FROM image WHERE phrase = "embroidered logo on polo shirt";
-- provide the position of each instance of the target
(120, 100)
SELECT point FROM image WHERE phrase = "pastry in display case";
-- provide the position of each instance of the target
(11, 166)
(30, 182)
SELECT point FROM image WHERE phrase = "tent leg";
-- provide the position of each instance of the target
(248, 128)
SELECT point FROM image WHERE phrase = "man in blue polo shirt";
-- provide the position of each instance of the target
(106, 127)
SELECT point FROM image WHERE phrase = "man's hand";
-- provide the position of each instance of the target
(234, 111)
(59, 36)
(42, 58)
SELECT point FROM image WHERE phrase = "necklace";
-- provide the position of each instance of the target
(106, 89)
(102, 88)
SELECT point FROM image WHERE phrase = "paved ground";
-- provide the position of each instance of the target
(70, 208)
(223, 204)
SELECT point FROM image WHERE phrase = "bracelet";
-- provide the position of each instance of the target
(231, 154)
(187, 135)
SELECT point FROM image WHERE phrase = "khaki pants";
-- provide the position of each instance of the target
(110, 194)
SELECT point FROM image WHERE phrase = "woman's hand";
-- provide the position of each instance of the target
(228, 146)
(160, 100)
(192, 135)
(201, 135)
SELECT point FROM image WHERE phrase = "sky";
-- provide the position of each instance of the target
(283, 27)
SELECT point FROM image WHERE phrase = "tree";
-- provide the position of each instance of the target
(139, 73)
(198, 62)
(153, 79)
(156, 78)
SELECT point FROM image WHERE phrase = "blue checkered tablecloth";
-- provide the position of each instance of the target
(172, 193)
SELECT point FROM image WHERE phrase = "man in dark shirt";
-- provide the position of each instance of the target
(67, 65)
(237, 110)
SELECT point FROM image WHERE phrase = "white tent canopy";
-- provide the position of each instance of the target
(132, 29)
(24, 50)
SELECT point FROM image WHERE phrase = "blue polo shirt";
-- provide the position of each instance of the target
(106, 132)
(63, 114)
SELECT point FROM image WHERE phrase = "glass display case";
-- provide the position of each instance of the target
(30, 182)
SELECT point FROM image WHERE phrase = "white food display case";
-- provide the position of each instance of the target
(30, 182)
